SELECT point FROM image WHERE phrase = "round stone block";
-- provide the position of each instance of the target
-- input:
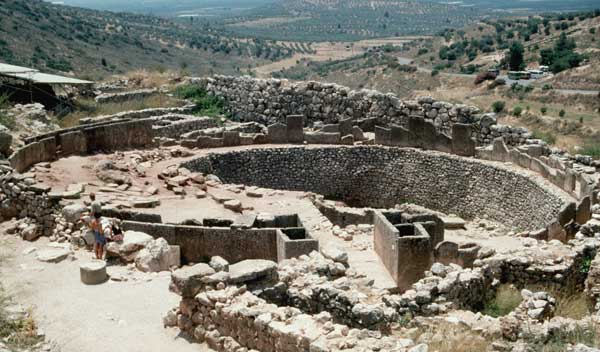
(93, 272)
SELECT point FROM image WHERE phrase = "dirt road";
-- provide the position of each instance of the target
(112, 317)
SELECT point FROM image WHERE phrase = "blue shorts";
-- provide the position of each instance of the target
(99, 238)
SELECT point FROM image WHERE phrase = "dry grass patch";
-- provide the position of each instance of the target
(507, 298)
(447, 337)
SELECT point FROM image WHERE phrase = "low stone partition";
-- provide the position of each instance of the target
(382, 177)
(562, 175)
(199, 243)
(272, 100)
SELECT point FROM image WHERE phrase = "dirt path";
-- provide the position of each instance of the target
(112, 317)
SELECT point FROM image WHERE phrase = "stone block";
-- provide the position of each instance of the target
(540, 235)
(500, 151)
(524, 160)
(383, 135)
(462, 143)
(538, 166)
(322, 138)
(209, 142)
(277, 133)
(443, 143)
(567, 213)
(535, 150)
(295, 128)
(347, 140)
(358, 133)
(401, 137)
(556, 232)
(429, 137)
(231, 138)
(583, 212)
(570, 180)
(345, 126)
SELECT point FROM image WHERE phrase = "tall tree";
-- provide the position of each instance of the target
(515, 57)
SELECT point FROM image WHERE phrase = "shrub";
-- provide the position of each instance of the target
(545, 136)
(498, 106)
(543, 110)
(434, 73)
(591, 148)
(517, 110)
(206, 105)
(561, 113)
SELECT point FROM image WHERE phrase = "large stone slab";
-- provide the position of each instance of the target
(187, 281)
(52, 255)
(277, 133)
(462, 143)
(252, 270)
(295, 128)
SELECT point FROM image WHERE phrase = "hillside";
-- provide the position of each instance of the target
(95, 43)
(328, 20)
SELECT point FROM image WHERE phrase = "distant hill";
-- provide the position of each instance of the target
(324, 20)
(170, 7)
(95, 43)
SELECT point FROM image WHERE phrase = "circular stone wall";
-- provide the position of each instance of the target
(381, 177)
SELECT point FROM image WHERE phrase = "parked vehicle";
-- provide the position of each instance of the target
(517, 75)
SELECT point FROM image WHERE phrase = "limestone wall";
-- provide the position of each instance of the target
(198, 243)
(270, 101)
(83, 139)
(382, 177)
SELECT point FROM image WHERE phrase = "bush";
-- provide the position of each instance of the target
(206, 105)
(591, 148)
(434, 73)
(517, 110)
(545, 136)
(561, 113)
(498, 106)
(544, 110)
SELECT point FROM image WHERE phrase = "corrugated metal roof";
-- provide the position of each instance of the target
(33, 75)
(6, 68)
(38, 77)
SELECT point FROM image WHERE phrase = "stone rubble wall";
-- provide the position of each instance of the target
(382, 177)
(21, 197)
(232, 314)
(176, 125)
(451, 287)
(272, 100)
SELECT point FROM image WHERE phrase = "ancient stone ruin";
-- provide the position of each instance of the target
(323, 219)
